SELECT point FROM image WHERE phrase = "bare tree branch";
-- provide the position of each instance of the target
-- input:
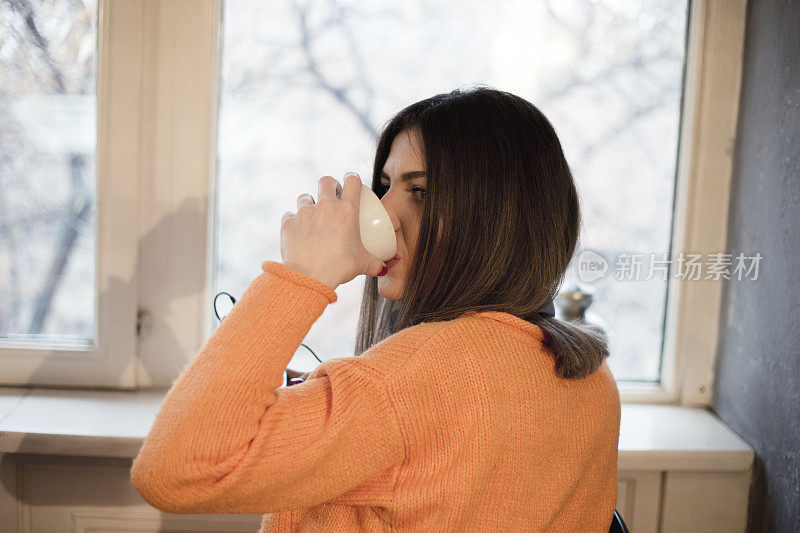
(70, 227)
(26, 12)
(69, 236)
(339, 93)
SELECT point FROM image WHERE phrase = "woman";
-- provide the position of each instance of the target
(467, 408)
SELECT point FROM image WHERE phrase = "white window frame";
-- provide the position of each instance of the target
(156, 98)
(158, 88)
(109, 361)
(710, 110)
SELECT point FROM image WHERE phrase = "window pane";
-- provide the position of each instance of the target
(47, 175)
(306, 87)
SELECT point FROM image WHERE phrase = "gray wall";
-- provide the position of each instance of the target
(757, 389)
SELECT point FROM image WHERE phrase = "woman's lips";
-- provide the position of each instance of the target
(391, 262)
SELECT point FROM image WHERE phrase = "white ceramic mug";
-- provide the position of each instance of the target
(377, 232)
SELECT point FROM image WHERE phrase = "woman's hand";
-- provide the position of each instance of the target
(323, 240)
(293, 377)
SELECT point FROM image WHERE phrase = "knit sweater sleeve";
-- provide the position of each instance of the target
(228, 438)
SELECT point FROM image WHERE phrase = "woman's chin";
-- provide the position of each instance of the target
(387, 287)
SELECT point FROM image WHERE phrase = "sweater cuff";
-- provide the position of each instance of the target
(299, 278)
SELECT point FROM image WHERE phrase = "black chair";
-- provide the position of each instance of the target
(617, 524)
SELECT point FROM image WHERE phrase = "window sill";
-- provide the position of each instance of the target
(115, 424)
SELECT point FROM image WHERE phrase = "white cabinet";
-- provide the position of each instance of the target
(47, 494)
(55, 494)
(65, 458)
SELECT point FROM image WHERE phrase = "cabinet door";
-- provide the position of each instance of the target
(713, 502)
(82, 494)
(637, 500)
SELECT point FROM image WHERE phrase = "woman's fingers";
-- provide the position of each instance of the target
(304, 199)
(328, 187)
(293, 377)
(292, 374)
(353, 181)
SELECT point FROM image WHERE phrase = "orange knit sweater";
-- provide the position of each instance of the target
(443, 426)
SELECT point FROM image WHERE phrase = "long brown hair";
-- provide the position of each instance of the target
(499, 185)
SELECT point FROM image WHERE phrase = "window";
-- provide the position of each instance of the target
(211, 117)
(306, 87)
(48, 66)
(68, 182)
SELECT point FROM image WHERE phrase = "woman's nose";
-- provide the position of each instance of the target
(392, 213)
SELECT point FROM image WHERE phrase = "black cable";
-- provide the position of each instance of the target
(233, 302)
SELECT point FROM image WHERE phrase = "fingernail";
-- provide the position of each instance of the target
(354, 173)
(383, 271)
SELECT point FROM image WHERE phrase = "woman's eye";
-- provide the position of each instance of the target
(382, 189)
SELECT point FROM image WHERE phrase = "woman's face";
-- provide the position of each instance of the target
(404, 200)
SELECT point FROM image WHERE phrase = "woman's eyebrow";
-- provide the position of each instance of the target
(405, 176)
